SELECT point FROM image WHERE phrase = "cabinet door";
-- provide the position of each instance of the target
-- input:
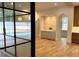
(76, 16)
(75, 37)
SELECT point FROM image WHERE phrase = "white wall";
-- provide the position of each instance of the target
(44, 23)
(38, 26)
(48, 22)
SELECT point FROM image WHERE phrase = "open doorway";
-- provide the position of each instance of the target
(64, 29)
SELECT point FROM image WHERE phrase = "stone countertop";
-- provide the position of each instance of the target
(48, 30)
(75, 30)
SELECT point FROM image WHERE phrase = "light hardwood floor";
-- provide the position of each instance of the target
(51, 48)
(23, 50)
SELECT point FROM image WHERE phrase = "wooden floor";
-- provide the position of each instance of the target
(4, 54)
(51, 48)
(23, 50)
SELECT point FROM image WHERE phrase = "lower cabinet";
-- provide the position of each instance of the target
(75, 37)
(48, 35)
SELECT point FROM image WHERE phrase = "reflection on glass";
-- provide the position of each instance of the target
(1, 29)
(0, 4)
(8, 5)
(23, 26)
(24, 6)
(9, 26)
(23, 33)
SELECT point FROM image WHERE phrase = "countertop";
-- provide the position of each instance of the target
(48, 30)
(75, 30)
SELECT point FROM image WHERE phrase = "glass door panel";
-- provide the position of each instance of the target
(23, 25)
(23, 6)
(1, 29)
(0, 4)
(23, 33)
(15, 27)
(9, 26)
(8, 5)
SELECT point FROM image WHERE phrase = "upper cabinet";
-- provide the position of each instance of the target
(76, 16)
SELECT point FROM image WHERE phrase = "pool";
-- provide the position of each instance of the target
(24, 35)
(10, 40)
(19, 33)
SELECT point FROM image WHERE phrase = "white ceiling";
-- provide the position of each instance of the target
(43, 6)
(75, 3)
(49, 8)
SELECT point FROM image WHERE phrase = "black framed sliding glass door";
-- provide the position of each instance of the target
(23, 28)
(15, 30)
(9, 29)
(23, 33)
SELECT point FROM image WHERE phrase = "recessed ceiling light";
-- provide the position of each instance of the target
(55, 4)
(11, 3)
(36, 16)
(20, 18)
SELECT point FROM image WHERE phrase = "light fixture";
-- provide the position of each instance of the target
(29, 17)
(11, 3)
(36, 16)
(55, 3)
(20, 18)
(25, 10)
